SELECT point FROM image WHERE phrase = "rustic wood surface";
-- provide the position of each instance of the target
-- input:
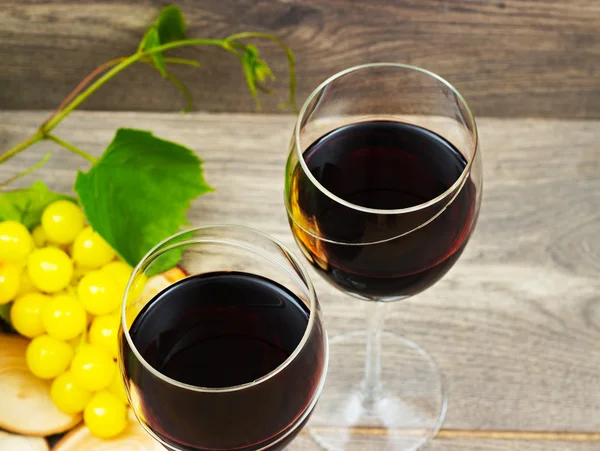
(515, 325)
(510, 58)
(305, 443)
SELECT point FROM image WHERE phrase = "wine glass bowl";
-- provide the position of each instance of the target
(382, 190)
(237, 358)
(382, 204)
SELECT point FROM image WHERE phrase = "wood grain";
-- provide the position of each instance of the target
(515, 325)
(502, 445)
(508, 57)
(441, 443)
(305, 443)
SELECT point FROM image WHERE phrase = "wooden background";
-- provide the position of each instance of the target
(510, 58)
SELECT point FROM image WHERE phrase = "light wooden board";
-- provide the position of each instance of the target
(508, 445)
(14, 442)
(305, 443)
(515, 325)
(508, 57)
(134, 437)
(25, 403)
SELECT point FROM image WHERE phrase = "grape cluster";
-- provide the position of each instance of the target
(66, 285)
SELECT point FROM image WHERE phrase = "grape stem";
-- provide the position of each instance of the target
(71, 147)
(108, 70)
(123, 64)
(82, 85)
(30, 169)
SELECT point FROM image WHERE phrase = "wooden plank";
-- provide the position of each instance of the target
(14, 442)
(515, 325)
(508, 445)
(502, 445)
(450, 440)
(508, 57)
(305, 443)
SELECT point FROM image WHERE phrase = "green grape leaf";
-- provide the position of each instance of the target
(27, 205)
(138, 192)
(169, 27)
(152, 40)
(262, 71)
(170, 24)
(256, 71)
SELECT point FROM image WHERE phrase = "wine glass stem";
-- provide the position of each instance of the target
(371, 385)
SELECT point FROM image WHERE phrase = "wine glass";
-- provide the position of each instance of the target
(383, 187)
(233, 356)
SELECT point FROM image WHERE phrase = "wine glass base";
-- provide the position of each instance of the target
(403, 414)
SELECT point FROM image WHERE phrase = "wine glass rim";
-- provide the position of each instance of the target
(310, 291)
(339, 200)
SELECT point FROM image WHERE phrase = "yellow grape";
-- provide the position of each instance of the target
(70, 290)
(120, 272)
(50, 269)
(92, 367)
(15, 241)
(64, 317)
(10, 281)
(62, 221)
(103, 333)
(78, 273)
(21, 264)
(26, 285)
(98, 293)
(26, 314)
(75, 342)
(48, 357)
(117, 388)
(67, 395)
(105, 415)
(90, 250)
(40, 239)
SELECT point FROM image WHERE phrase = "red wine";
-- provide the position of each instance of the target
(381, 165)
(221, 330)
